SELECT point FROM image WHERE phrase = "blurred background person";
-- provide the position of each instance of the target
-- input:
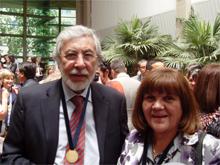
(207, 92)
(26, 74)
(12, 64)
(51, 77)
(5, 61)
(129, 85)
(39, 69)
(50, 69)
(192, 74)
(4, 96)
(9, 94)
(166, 121)
(141, 70)
(105, 72)
(106, 79)
(154, 64)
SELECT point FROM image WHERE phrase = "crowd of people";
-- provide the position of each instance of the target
(13, 77)
(91, 111)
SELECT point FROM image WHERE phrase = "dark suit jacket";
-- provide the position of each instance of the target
(33, 134)
(29, 82)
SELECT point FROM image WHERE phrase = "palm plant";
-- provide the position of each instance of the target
(134, 41)
(200, 44)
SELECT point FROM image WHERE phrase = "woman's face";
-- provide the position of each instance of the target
(8, 82)
(162, 112)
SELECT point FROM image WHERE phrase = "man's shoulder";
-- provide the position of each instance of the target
(127, 79)
(135, 81)
(40, 88)
(137, 77)
(30, 82)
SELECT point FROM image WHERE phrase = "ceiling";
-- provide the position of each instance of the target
(64, 4)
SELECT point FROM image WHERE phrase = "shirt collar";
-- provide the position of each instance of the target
(69, 93)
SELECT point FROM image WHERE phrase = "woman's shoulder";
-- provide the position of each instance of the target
(211, 140)
(135, 137)
(211, 144)
(132, 149)
(211, 149)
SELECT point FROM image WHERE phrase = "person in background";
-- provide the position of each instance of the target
(55, 75)
(166, 121)
(5, 61)
(141, 70)
(130, 85)
(45, 127)
(4, 96)
(154, 64)
(207, 92)
(50, 69)
(192, 74)
(105, 77)
(9, 94)
(26, 74)
(12, 65)
(39, 70)
(105, 72)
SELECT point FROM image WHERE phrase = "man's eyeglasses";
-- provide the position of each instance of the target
(88, 57)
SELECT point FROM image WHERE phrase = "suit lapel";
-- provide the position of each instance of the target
(100, 109)
(50, 114)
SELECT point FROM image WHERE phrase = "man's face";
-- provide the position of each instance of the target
(142, 67)
(20, 76)
(78, 62)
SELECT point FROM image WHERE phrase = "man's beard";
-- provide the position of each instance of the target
(77, 86)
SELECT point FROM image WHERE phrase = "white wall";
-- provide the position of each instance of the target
(207, 10)
(106, 14)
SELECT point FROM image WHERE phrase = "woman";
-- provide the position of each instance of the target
(207, 92)
(8, 95)
(4, 94)
(166, 120)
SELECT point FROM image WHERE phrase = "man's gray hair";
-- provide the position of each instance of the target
(72, 32)
(118, 65)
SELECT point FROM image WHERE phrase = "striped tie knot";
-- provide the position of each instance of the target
(77, 101)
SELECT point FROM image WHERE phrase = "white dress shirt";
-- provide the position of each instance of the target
(91, 151)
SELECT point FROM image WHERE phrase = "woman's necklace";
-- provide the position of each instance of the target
(154, 152)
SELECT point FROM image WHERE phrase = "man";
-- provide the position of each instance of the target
(41, 127)
(154, 64)
(130, 85)
(141, 70)
(26, 74)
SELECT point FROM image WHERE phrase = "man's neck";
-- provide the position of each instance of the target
(79, 92)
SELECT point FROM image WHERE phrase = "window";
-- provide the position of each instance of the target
(29, 28)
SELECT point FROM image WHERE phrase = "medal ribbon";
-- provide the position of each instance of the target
(73, 140)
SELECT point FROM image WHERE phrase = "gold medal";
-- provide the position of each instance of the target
(72, 156)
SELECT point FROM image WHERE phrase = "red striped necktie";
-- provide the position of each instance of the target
(75, 117)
